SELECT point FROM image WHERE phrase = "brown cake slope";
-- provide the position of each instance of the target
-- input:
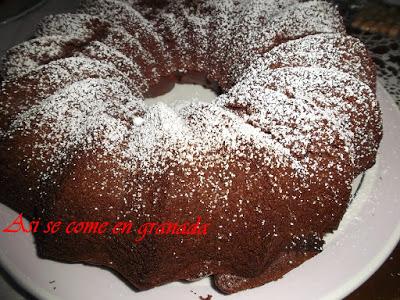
(269, 163)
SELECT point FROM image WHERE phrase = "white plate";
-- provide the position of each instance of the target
(366, 236)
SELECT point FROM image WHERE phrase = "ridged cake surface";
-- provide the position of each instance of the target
(268, 164)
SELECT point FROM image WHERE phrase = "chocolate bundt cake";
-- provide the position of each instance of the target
(268, 164)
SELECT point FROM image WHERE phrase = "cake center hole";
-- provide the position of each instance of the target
(183, 94)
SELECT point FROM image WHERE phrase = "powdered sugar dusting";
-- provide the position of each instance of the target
(81, 25)
(29, 55)
(274, 155)
(85, 114)
(303, 86)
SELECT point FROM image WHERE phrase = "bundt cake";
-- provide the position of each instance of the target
(268, 164)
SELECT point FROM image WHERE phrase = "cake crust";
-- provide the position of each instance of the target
(268, 164)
